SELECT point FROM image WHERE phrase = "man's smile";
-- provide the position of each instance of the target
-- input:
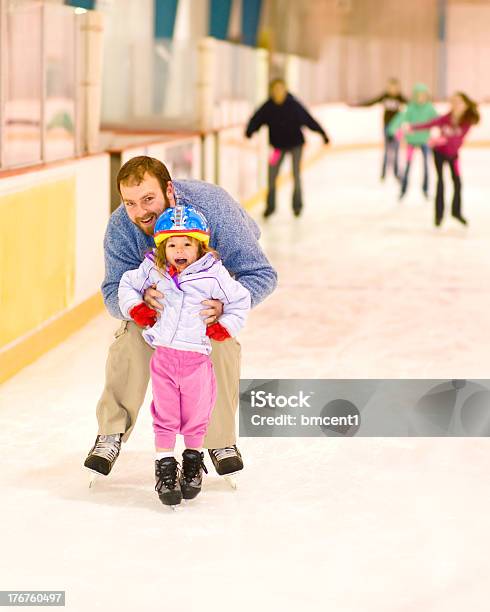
(147, 219)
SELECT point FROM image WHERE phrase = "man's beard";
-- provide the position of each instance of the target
(149, 228)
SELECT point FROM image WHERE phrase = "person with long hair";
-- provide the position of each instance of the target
(453, 128)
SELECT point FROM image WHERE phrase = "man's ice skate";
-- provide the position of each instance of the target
(227, 462)
(103, 455)
(167, 478)
(191, 476)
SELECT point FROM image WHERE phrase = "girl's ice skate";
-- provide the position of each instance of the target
(192, 469)
(167, 481)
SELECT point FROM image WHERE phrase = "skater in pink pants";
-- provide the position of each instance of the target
(186, 271)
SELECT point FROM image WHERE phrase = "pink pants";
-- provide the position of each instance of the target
(184, 393)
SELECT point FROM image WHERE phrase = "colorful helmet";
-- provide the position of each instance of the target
(182, 220)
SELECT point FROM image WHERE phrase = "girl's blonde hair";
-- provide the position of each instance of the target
(202, 249)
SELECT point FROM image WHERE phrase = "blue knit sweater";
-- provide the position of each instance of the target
(234, 234)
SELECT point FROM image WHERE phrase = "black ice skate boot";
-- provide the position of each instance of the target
(226, 460)
(167, 481)
(191, 477)
(104, 453)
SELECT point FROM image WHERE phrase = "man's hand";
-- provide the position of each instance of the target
(213, 312)
(151, 298)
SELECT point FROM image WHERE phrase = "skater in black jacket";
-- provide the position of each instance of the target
(284, 116)
(392, 100)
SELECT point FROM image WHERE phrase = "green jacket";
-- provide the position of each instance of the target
(414, 113)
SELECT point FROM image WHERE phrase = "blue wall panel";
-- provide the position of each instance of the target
(219, 18)
(250, 21)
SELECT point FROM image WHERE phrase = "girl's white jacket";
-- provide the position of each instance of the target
(180, 325)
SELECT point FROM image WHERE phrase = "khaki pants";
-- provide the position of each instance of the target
(128, 373)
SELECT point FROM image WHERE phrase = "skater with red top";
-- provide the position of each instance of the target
(453, 129)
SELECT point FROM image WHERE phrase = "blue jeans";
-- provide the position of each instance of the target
(425, 153)
(390, 154)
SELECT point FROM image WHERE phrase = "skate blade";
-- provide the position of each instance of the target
(93, 477)
(231, 480)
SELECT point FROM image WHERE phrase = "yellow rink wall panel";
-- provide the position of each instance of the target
(37, 256)
(35, 345)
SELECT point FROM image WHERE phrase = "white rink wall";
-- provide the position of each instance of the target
(52, 262)
(348, 125)
(93, 211)
(91, 176)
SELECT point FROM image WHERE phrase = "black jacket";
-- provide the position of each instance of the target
(284, 122)
(391, 105)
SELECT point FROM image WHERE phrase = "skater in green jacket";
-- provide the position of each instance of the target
(419, 110)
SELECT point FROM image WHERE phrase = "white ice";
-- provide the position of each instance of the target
(367, 289)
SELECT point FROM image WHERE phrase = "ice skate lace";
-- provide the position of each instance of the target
(107, 447)
(192, 466)
(167, 476)
(224, 453)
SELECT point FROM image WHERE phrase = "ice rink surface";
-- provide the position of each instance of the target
(368, 289)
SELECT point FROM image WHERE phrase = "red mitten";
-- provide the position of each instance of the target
(217, 332)
(143, 315)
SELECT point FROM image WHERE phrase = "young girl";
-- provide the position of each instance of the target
(453, 128)
(186, 271)
(419, 110)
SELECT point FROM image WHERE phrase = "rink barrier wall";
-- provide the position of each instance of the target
(44, 270)
(348, 125)
(220, 156)
(52, 333)
(54, 218)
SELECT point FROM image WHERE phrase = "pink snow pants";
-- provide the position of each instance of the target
(184, 393)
